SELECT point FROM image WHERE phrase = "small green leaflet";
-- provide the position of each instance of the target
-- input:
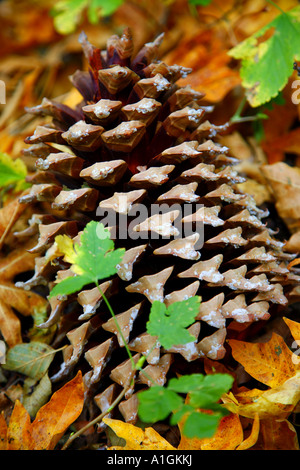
(69, 13)
(157, 403)
(203, 390)
(169, 324)
(11, 171)
(202, 3)
(31, 359)
(201, 425)
(267, 65)
(92, 260)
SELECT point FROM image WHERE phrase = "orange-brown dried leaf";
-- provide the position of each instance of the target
(206, 54)
(277, 435)
(270, 363)
(19, 435)
(3, 432)
(284, 182)
(12, 297)
(53, 419)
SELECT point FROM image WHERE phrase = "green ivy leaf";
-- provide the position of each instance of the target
(12, 171)
(92, 260)
(267, 64)
(169, 324)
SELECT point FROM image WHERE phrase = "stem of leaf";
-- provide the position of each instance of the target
(276, 6)
(98, 418)
(237, 115)
(117, 325)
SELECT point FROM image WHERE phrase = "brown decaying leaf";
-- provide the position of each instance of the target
(51, 422)
(12, 297)
(284, 181)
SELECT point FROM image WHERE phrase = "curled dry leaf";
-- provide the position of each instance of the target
(284, 181)
(51, 422)
(13, 298)
(136, 438)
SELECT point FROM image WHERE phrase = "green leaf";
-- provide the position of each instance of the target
(178, 415)
(69, 285)
(201, 425)
(203, 3)
(156, 403)
(69, 13)
(169, 324)
(100, 8)
(31, 359)
(11, 171)
(95, 256)
(92, 260)
(268, 63)
(186, 383)
(203, 391)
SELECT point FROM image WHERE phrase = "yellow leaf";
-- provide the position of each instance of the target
(277, 402)
(136, 438)
(294, 327)
(270, 363)
(252, 438)
(66, 247)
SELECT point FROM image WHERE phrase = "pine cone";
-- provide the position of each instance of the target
(139, 138)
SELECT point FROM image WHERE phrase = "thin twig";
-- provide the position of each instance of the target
(97, 419)
(117, 324)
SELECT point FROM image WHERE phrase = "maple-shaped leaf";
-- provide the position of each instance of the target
(270, 363)
(267, 64)
(273, 364)
(204, 392)
(50, 424)
(93, 259)
(169, 323)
